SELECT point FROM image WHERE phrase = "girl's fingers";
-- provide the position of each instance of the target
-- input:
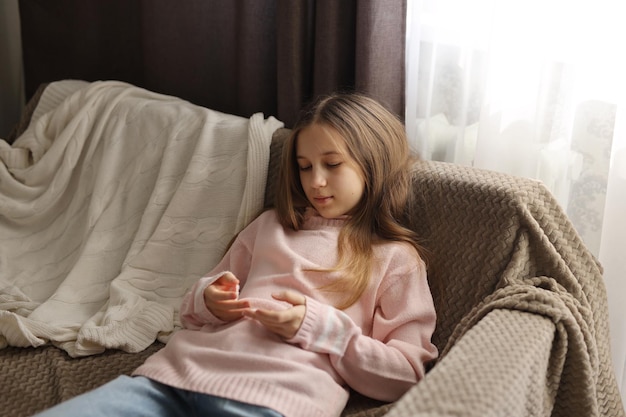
(228, 279)
(234, 304)
(215, 293)
(226, 287)
(230, 310)
(284, 323)
(281, 316)
(227, 283)
(266, 316)
(222, 298)
(292, 297)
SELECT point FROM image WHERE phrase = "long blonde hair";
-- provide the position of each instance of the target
(376, 141)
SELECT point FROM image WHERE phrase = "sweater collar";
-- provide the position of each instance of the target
(313, 220)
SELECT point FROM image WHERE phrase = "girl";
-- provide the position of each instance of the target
(324, 293)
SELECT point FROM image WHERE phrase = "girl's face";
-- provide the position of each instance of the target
(330, 178)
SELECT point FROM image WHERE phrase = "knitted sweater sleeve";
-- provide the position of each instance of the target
(385, 364)
(193, 311)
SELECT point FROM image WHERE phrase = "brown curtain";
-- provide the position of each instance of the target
(235, 56)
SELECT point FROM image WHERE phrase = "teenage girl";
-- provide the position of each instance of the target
(324, 293)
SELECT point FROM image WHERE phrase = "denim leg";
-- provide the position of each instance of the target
(141, 397)
(124, 397)
(209, 405)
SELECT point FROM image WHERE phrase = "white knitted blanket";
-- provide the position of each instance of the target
(111, 205)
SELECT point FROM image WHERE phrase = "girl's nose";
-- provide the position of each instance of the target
(318, 179)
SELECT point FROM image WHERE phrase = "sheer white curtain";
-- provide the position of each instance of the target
(533, 88)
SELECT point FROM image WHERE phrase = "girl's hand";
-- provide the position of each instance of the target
(221, 298)
(284, 323)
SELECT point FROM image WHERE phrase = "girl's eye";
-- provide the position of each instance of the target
(333, 165)
(305, 168)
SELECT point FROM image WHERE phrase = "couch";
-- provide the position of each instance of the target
(522, 312)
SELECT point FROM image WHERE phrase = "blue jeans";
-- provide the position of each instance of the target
(140, 396)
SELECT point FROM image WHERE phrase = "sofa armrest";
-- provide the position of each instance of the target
(498, 368)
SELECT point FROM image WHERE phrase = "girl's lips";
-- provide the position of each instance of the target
(322, 200)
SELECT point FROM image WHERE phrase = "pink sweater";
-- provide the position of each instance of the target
(378, 346)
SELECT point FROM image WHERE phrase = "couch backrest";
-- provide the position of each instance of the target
(276, 149)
